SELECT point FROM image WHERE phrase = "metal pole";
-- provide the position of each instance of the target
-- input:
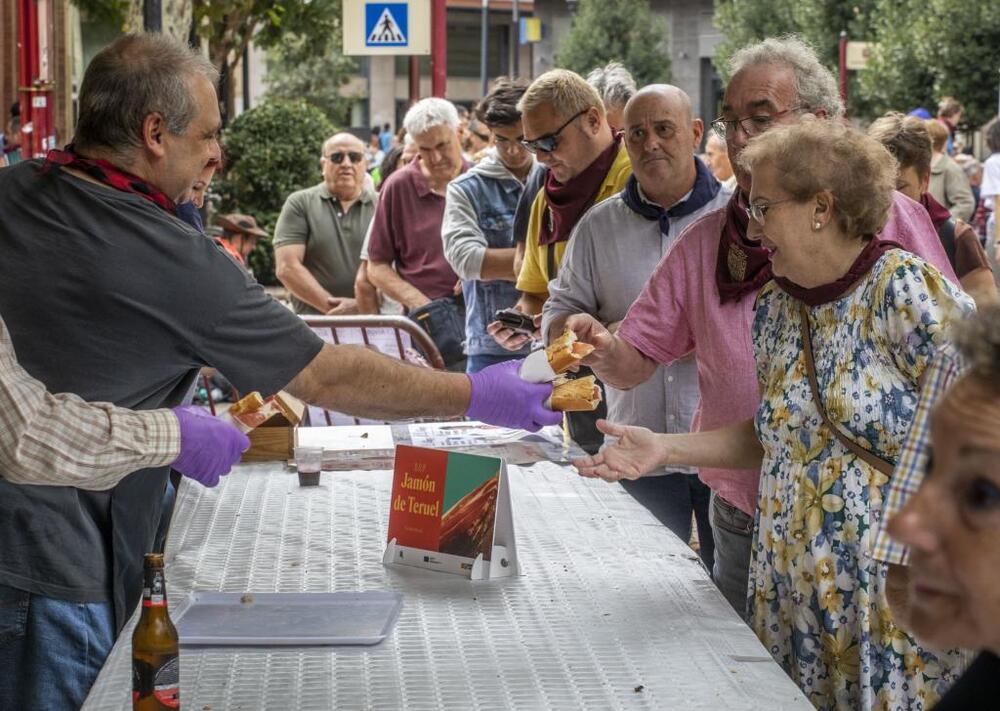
(414, 80)
(245, 61)
(439, 48)
(843, 68)
(516, 64)
(152, 15)
(484, 42)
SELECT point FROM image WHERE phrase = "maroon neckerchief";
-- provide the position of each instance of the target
(742, 267)
(825, 293)
(564, 204)
(110, 175)
(936, 211)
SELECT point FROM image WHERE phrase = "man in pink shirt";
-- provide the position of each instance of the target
(700, 298)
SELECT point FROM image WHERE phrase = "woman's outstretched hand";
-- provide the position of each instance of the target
(638, 451)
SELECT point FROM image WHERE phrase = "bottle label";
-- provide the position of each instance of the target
(162, 682)
(154, 592)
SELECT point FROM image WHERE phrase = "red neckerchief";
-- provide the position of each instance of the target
(564, 204)
(742, 267)
(935, 210)
(825, 293)
(110, 175)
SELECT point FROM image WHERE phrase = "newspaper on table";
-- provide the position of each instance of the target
(371, 447)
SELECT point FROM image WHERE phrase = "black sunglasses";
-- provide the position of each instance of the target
(338, 156)
(550, 141)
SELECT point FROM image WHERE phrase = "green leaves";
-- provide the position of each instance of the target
(271, 151)
(622, 30)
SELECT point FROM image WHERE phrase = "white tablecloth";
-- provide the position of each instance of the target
(612, 610)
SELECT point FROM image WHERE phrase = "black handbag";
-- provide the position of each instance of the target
(444, 321)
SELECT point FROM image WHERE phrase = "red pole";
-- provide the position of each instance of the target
(439, 47)
(414, 80)
(843, 68)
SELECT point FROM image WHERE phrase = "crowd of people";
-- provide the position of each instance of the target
(787, 313)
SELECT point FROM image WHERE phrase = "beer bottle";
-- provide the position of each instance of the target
(155, 662)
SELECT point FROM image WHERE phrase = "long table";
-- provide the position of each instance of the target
(612, 611)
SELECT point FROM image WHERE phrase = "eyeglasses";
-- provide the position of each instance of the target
(751, 125)
(757, 210)
(338, 156)
(550, 141)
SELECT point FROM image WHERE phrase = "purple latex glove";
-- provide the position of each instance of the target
(209, 446)
(500, 397)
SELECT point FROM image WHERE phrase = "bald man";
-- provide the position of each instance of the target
(613, 252)
(318, 238)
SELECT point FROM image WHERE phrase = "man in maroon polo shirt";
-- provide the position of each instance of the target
(406, 255)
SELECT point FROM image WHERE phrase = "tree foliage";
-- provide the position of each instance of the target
(925, 48)
(295, 72)
(617, 30)
(271, 151)
(229, 25)
(933, 48)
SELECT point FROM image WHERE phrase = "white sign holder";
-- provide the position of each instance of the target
(503, 561)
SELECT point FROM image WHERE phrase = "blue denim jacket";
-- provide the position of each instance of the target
(479, 215)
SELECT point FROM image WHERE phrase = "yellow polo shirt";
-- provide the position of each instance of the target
(534, 277)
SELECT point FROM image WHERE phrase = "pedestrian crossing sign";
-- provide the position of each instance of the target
(386, 27)
(386, 24)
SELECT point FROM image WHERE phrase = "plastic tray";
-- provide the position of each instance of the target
(287, 619)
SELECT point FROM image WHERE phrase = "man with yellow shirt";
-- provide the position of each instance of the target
(565, 126)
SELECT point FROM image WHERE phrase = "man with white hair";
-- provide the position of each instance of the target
(717, 159)
(405, 254)
(614, 249)
(616, 86)
(406, 258)
(700, 298)
(318, 237)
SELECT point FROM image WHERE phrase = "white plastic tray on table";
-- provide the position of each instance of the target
(612, 610)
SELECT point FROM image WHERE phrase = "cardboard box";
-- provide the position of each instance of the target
(274, 441)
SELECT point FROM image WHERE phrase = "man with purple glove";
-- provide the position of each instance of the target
(130, 314)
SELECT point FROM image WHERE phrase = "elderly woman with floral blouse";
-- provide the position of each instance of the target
(841, 337)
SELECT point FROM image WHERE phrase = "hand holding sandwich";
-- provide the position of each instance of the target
(501, 397)
(589, 330)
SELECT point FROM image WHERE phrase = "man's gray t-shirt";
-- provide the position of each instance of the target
(110, 297)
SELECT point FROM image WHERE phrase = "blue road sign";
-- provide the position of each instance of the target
(386, 24)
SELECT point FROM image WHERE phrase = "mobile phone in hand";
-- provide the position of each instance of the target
(515, 321)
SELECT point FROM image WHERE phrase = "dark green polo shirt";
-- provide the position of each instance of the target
(333, 238)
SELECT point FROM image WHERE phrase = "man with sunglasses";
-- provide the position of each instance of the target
(700, 297)
(565, 126)
(317, 241)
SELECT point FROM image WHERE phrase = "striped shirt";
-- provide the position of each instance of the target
(945, 369)
(62, 440)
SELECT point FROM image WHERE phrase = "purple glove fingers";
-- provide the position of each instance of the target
(501, 397)
(209, 446)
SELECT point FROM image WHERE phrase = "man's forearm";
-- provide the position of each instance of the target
(358, 381)
(300, 281)
(498, 264)
(385, 278)
(365, 292)
(531, 304)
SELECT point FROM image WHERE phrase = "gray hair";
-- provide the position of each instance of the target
(978, 340)
(814, 83)
(134, 76)
(614, 83)
(428, 113)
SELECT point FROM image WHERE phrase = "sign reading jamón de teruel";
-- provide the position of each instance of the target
(451, 511)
